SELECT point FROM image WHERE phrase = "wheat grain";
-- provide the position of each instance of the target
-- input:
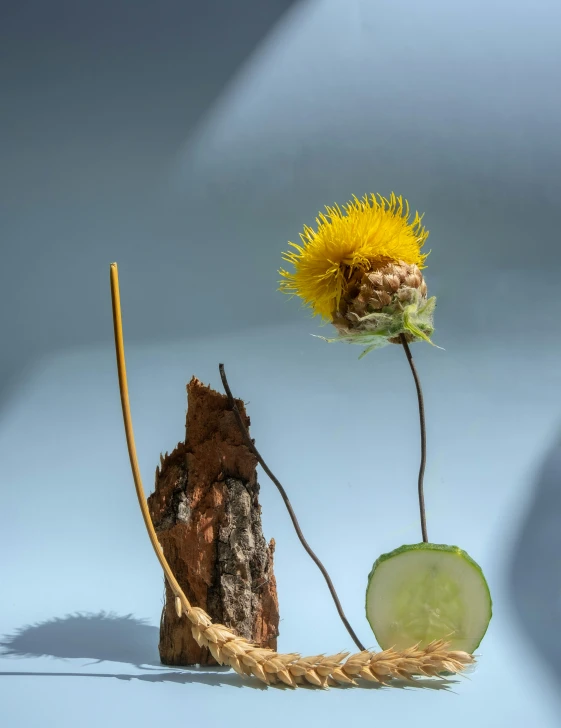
(320, 671)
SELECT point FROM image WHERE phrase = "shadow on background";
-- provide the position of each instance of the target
(100, 97)
(112, 638)
(535, 571)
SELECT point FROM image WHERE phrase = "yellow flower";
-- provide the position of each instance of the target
(365, 235)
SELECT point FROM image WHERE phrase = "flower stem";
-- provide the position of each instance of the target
(423, 436)
(251, 446)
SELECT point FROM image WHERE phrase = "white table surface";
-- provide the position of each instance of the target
(79, 576)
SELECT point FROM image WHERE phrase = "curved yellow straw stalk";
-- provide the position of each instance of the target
(267, 665)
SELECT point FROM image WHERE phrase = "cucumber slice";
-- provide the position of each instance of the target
(425, 592)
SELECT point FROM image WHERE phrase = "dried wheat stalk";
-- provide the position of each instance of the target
(267, 665)
(320, 670)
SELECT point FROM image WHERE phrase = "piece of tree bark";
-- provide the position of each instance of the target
(206, 512)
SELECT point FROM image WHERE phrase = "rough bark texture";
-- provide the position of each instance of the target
(207, 516)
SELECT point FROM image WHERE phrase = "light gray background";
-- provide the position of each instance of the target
(189, 144)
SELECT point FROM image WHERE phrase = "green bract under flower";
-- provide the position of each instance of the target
(411, 316)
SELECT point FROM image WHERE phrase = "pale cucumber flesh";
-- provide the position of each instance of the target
(420, 593)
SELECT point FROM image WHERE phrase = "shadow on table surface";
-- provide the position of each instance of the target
(107, 637)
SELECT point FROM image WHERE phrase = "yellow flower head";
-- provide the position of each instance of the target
(364, 236)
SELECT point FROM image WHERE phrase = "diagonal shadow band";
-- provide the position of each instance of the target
(108, 637)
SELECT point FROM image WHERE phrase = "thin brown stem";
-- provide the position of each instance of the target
(423, 436)
(251, 446)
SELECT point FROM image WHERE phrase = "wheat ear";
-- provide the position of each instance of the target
(248, 659)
